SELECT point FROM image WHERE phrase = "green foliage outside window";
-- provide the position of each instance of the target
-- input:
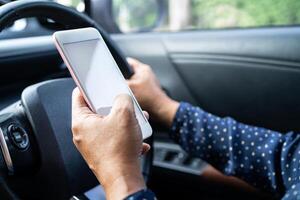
(244, 13)
(210, 14)
(131, 14)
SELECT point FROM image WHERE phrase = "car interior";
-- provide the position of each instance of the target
(250, 74)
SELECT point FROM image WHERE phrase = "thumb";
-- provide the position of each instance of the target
(123, 105)
(145, 148)
(79, 106)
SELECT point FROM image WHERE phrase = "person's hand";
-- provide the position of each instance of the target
(111, 145)
(151, 97)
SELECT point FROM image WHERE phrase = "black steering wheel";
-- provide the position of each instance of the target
(39, 159)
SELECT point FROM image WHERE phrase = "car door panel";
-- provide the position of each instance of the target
(253, 43)
(251, 74)
(259, 94)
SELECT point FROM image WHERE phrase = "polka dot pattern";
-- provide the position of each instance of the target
(144, 194)
(266, 159)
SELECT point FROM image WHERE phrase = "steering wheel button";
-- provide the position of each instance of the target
(17, 137)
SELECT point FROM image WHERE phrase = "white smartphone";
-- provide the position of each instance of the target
(95, 71)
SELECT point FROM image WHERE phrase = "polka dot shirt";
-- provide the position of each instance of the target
(266, 159)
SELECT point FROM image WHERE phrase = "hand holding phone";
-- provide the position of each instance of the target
(95, 71)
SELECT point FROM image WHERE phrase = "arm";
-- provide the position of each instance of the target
(266, 159)
(113, 158)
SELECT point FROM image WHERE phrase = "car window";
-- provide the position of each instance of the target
(77, 4)
(204, 14)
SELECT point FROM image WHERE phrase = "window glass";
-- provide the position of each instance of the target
(219, 14)
(135, 15)
(77, 4)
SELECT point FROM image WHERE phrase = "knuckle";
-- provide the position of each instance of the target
(75, 92)
(134, 85)
(76, 127)
(123, 97)
(147, 67)
(77, 139)
(124, 100)
(125, 115)
(92, 167)
(125, 110)
(129, 83)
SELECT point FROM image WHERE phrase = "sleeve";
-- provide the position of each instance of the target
(265, 159)
(144, 194)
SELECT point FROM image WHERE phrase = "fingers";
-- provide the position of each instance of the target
(146, 147)
(79, 106)
(132, 82)
(131, 61)
(146, 114)
(135, 64)
(123, 105)
(79, 111)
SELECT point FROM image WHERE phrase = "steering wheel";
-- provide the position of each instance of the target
(35, 133)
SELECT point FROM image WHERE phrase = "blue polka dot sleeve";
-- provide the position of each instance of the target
(144, 194)
(266, 159)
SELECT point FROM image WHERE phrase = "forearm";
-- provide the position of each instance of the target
(164, 110)
(121, 181)
(250, 153)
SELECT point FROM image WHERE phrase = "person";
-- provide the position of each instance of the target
(266, 159)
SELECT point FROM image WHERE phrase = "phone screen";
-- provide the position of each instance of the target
(98, 75)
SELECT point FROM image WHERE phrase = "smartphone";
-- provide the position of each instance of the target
(95, 71)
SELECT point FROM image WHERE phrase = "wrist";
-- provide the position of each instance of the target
(121, 181)
(166, 110)
(124, 186)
